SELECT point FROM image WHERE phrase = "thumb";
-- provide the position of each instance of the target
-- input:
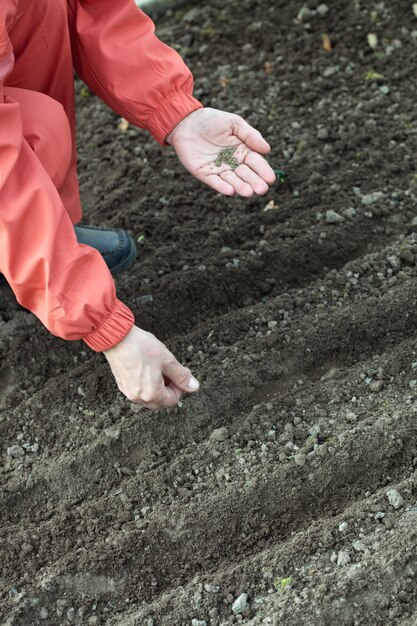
(180, 376)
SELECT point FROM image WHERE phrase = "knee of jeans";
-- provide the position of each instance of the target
(48, 132)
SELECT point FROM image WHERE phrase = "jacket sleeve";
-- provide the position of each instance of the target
(66, 285)
(117, 54)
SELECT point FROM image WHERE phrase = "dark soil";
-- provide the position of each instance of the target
(296, 311)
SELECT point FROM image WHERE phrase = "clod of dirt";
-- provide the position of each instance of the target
(395, 498)
(239, 605)
(220, 434)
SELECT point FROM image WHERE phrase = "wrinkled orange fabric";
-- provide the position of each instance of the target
(114, 50)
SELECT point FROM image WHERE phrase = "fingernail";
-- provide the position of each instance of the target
(193, 383)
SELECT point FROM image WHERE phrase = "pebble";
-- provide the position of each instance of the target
(300, 459)
(376, 385)
(343, 527)
(395, 498)
(240, 604)
(334, 218)
(350, 213)
(322, 10)
(322, 133)
(220, 434)
(343, 558)
(384, 89)
(144, 299)
(210, 588)
(93, 621)
(43, 613)
(112, 433)
(304, 14)
(372, 198)
(16, 452)
(198, 622)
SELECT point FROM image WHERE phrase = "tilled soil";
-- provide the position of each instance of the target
(292, 476)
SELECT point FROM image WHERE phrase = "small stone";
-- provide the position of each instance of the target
(343, 527)
(350, 213)
(334, 218)
(395, 498)
(322, 133)
(112, 433)
(198, 622)
(16, 452)
(300, 459)
(343, 558)
(322, 10)
(372, 40)
(93, 621)
(372, 198)
(412, 384)
(384, 89)
(376, 385)
(304, 14)
(43, 613)
(210, 588)
(144, 299)
(272, 324)
(220, 434)
(240, 604)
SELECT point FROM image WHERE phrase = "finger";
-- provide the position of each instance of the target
(215, 182)
(168, 397)
(151, 405)
(171, 396)
(180, 376)
(261, 167)
(242, 188)
(250, 136)
(258, 185)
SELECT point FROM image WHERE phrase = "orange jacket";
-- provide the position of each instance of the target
(115, 52)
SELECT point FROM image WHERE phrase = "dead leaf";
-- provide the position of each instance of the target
(123, 125)
(224, 81)
(270, 206)
(268, 67)
(327, 44)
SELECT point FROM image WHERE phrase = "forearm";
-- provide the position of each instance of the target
(118, 55)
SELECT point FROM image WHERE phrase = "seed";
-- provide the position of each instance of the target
(227, 156)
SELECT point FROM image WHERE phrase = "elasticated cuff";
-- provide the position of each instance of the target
(114, 328)
(176, 106)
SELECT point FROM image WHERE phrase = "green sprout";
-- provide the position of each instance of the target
(372, 75)
(282, 177)
(141, 239)
(282, 584)
(84, 91)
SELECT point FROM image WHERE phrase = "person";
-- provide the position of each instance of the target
(61, 270)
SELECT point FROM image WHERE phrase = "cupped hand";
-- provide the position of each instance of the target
(202, 135)
(147, 373)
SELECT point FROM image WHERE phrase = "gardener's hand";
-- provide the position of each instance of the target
(146, 371)
(199, 138)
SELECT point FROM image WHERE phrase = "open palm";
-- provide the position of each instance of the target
(201, 136)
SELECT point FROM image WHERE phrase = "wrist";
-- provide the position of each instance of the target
(177, 130)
